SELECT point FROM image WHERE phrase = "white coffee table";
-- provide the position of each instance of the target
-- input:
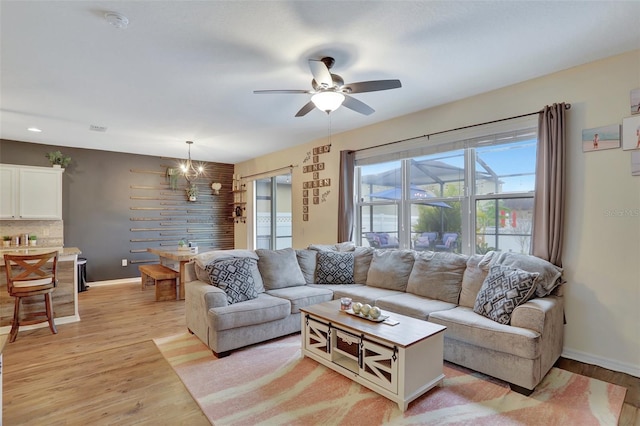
(400, 362)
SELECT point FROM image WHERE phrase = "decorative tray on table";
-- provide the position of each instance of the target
(379, 319)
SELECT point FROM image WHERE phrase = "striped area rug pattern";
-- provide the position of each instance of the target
(271, 384)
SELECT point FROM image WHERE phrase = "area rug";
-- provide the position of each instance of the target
(271, 384)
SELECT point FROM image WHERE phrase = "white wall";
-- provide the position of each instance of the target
(602, 241)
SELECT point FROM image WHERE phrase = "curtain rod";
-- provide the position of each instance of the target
(290, 166)
(566, 106)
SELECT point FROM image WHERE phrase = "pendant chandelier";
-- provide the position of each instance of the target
(188, 169)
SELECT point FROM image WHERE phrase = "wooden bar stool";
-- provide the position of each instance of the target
(31, 275)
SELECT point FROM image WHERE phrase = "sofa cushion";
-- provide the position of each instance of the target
(437, 275)
(361, 262)
(307, 261)
(362, 293)
(550, 274)
(264, 308)
(334, 267)
(472, 280)
(279, 268)
(234, 277)
(412, 305)
(502, 291)
(203, 259)
(346, 246)
(390, 269)
(465, 325)
(302, 296)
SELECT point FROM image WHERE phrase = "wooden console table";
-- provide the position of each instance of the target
(399, 362)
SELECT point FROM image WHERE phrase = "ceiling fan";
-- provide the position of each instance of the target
(330, 92)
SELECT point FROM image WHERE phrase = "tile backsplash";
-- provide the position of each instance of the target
(49, 233)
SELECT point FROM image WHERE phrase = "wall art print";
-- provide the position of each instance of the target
(635, 163)
(631, 133)
(635, 101)
(601, 138)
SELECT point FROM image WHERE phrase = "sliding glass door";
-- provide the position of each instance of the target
(273, 212)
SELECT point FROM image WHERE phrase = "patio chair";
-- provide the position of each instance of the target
(449, 242)
(374, 240)
(381, 240)
(426, 241)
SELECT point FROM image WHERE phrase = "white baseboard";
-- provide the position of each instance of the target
(114, 282)
(611, 364)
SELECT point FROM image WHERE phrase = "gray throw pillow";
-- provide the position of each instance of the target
(361, 263)
(437, 275)
(334, 267)
(502, 291)
(220, 255)
(550, 274)
(234, 277)
(390, 269)
(279, 268)
(307, 261)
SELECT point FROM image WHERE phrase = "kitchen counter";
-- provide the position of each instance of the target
(62, 251)
(65, 296)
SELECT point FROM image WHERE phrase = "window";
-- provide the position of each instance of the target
(273, 212)
(468, 196)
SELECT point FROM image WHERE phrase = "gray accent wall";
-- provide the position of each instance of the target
(111, 198)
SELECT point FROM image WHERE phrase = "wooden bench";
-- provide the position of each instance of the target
(163, 278)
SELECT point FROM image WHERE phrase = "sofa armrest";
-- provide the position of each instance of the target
(546, 316)
(210, 295)
(536, 313)
(199, 298)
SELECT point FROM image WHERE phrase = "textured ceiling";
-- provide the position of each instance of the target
(186, 70)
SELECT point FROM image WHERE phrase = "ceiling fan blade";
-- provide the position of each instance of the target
(309, 106)
(371, 86)
(270, 92)
(357, 106)
(321, 73)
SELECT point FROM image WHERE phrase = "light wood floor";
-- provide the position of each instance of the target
(116, 317)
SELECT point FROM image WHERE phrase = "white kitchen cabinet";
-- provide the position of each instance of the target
(30, 193)
(8, 185)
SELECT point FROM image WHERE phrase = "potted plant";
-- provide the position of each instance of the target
(172, 177)
(182, 245)
(192, 192)
(33, 240)
(6, 241)
(58, 159)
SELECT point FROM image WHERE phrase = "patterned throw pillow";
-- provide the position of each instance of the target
(502, 291)
(234, 277)
(334, 267)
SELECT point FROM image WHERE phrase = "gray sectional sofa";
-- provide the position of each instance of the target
(236, 298)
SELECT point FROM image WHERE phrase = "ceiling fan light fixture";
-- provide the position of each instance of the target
(327, 101)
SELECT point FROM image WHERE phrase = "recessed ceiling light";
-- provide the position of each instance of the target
(116, 19)
(34, 129)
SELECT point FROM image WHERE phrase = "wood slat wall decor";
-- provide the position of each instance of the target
(162, 216)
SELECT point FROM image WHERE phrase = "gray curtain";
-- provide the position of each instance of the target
(345, 196)
(548, 210)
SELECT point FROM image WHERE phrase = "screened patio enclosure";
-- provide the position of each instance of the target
(463, 199)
